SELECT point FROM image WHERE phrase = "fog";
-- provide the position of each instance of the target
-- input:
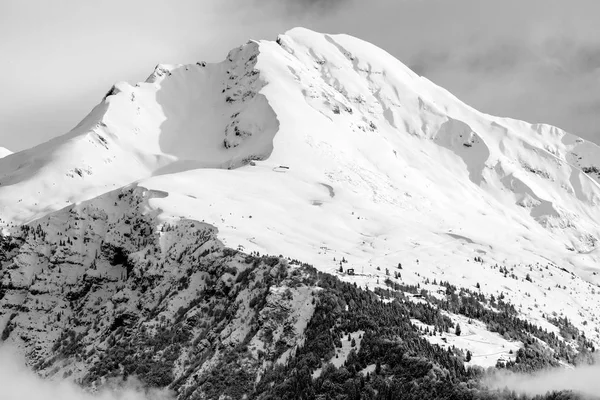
(17, 382)
(584, 380)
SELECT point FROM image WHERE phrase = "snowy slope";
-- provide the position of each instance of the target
(320, 147)
(179, 118)
(4, 152)
(381, 161)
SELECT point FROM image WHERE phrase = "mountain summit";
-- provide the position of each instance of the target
(4, 152)
(339, 134)
(320, 148)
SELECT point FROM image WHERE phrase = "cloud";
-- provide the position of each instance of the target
(581, 380)
(17, 382)
(302, 7)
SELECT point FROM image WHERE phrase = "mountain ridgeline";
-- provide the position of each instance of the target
(95, 295)
(308, 219)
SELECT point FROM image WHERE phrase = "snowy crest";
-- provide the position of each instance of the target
(322, 147)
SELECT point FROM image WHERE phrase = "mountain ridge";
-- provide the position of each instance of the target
(4, 152)
(325, 125)
(151, 155)
(319, 148)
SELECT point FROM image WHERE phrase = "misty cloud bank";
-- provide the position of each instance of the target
(584, 380)
(17, 382)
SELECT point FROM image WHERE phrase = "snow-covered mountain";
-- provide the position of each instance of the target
(319, 148)
(4, 152)
(339, 113)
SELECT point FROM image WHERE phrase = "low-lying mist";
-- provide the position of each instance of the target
(17, 382)
(583, 380)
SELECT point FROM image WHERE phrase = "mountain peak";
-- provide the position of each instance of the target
(321, 148)
(333, 110)
(4, 152)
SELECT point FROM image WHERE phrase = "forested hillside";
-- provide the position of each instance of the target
(168, 303)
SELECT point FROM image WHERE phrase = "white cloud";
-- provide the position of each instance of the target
(17, 382)
(582, 380)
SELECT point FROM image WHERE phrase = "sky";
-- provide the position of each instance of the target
(537, 60)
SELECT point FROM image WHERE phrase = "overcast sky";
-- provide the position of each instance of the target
(537, 60)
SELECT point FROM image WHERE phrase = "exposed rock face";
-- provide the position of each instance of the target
(103, 289)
